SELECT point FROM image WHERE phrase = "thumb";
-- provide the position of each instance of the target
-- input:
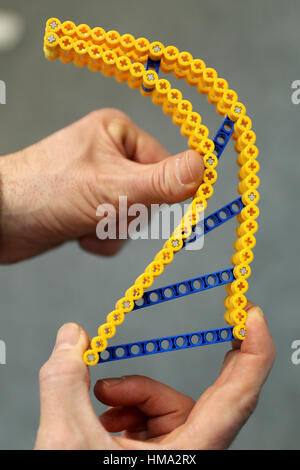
(173, 179)
(64, 379)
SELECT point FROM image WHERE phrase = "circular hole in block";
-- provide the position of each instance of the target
(165, 344)
(105, 355)
(225, 275)
(120, 352)
(182, 288)
(221, 139)
(227, 126)
(210, 336)
(154, 297)
(211, 280)
(223, 214)
(211, 222)
(135, 349)
(140, 302)
(168, 292)
(150, 347)
(197, 284)
(235, 207)
(195, 339)
(224, 334)
(180, 341)
(190, 238)
(199, 229)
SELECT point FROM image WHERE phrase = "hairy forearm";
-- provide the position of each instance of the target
(24, 195)
(13, 202)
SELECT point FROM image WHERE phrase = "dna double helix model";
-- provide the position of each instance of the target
(138, 63)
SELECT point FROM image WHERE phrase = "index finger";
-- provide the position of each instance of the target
(151, 397)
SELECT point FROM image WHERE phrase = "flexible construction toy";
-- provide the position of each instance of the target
(138, 62)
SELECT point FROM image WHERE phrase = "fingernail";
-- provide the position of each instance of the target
(116, 129)
(255, 311)
(189, 168)
(67, 337)
(124, 135)
(112, 381)
(249, 305)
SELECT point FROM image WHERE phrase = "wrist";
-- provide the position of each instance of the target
(9, 212)
(18, 202)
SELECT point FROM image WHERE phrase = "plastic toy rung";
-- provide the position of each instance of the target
(215, 219)
(151, 65)
(183, 288)
(223, 136)
(168, 343)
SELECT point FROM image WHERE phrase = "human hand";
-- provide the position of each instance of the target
(150, 414)
(51, 190)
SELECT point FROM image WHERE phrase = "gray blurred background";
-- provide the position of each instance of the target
(255, 46)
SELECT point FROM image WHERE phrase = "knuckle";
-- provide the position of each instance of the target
(62, 369)
(107, 115)
(227, 356)
(187, 404)
(44, 373)
(250, 401)
(159, 180)
(247, 396)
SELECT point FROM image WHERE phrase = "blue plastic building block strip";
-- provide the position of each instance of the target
(215, 220)
(223, 136)
(169, 343)
(152, 65)
(199, 284)
(183, 288)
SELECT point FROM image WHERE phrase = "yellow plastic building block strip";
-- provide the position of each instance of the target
(124, 58)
